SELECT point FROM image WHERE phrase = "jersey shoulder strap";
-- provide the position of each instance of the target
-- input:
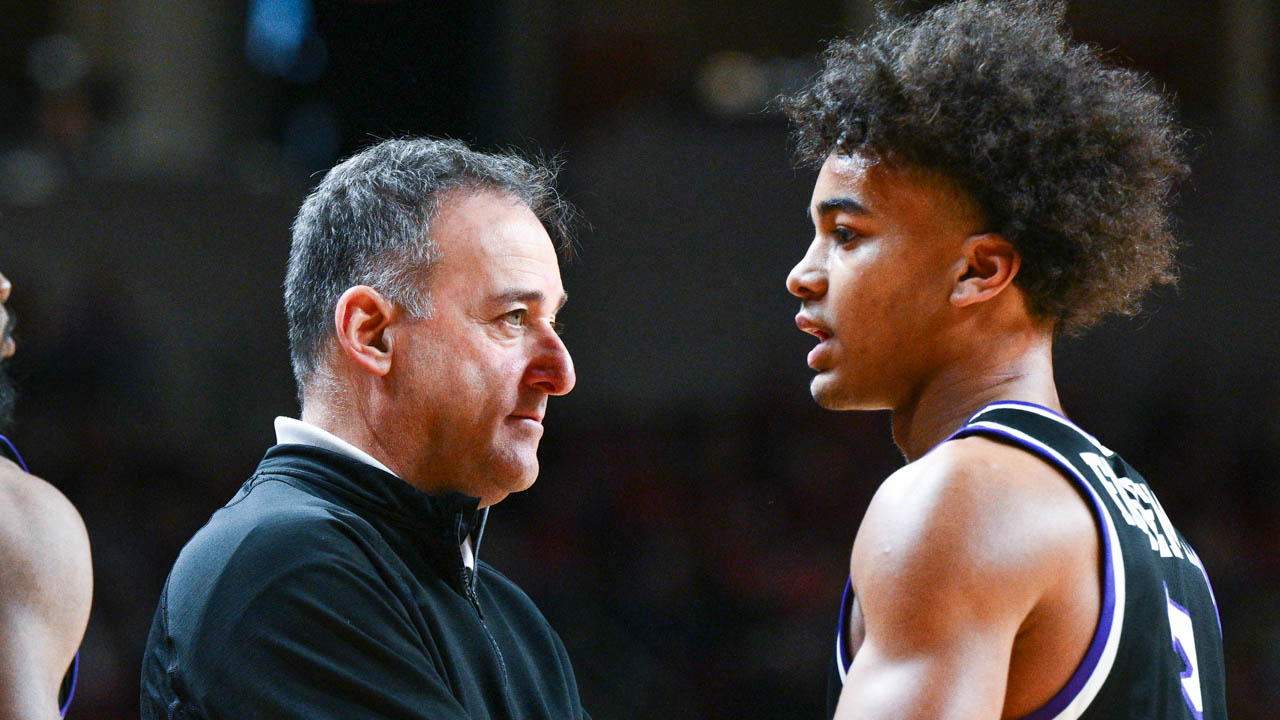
(7, 450)
(1063, 445)
(1157, 649)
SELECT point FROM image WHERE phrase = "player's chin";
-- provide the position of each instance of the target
(825, 388)
(831, 392)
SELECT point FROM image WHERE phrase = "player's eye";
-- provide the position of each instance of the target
(844, 235)
(557, 326)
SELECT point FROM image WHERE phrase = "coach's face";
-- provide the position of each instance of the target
(478, 371)
(876, 279)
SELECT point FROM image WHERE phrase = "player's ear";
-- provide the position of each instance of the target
(987, 265)
(360, 317)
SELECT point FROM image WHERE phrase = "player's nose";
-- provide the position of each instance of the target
(6, 287)
(808, 279)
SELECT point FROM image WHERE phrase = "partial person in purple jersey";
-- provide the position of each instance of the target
(985, 186)
(46, 577)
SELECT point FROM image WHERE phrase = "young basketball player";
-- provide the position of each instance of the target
(986, 186)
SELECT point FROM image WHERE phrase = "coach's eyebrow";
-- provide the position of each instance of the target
(528, 297)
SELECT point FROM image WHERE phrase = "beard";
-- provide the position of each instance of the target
(8, 393)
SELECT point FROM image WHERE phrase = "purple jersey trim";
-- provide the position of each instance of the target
(1212, 598)
(846, 606)
(17, 455)
(1034, 406)
(1191, 553)
(71, 693)
(1082, 674)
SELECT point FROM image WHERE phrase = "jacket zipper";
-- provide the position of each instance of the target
(468, 584)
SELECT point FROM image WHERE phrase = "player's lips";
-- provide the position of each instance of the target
(811, 326)
(816, 329)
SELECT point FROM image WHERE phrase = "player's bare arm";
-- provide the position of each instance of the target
(975, 573)
(45, 592)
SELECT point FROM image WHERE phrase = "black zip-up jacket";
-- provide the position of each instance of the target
(328, 588)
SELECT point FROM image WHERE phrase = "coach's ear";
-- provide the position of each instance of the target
(987, 265)
(360, 317)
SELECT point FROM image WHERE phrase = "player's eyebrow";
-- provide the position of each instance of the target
(528, 297)
(845, 204)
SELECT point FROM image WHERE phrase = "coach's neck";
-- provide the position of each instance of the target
(345, 407)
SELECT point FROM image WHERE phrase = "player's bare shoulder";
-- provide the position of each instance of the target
(985, 539)
(972, 515)
(45, 565)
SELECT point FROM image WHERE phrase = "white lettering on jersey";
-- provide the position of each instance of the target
(1137, 506)
(1184, 643)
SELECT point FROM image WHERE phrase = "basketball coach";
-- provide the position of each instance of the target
(341, 581)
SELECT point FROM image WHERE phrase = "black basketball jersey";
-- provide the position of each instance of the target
(1157, 650)
(68, 689)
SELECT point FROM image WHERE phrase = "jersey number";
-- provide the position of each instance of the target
(1184, 643)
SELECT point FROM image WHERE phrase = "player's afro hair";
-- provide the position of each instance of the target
(1073, 160)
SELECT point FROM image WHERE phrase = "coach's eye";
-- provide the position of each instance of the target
(516, 318)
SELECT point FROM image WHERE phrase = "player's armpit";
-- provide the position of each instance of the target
(946, 569)
(46, 587)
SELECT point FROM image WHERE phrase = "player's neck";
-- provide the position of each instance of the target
(1024, 372)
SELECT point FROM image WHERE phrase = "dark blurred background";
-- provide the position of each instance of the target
(689, 534)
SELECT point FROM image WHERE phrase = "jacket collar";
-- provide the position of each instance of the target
(443, 521)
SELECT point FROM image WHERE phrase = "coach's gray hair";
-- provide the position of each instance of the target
(368, 223)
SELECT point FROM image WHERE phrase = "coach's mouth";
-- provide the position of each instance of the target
(534, 415)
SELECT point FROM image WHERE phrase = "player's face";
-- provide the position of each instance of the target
(7, 345)
(481, 367)
(876, 279)
(7, 348)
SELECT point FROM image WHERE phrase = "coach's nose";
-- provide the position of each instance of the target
(551, 369)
